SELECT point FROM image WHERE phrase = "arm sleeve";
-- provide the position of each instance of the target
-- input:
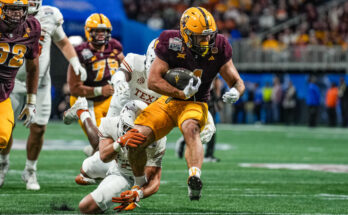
(161, 49)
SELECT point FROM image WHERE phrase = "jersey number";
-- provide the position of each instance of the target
(101, 65)
(18, 50)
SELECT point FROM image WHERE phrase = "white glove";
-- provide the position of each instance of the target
(78, 68)
(29, 111)
(121, 88)
(231, 96)
(190, 90)
(209, 130)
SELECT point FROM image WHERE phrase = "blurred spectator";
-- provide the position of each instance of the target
(277, 93)
(343, 96)
(313, 102)
(289, 104)
(331, 103)
(267, 102)
(155, 22)
(257, 102)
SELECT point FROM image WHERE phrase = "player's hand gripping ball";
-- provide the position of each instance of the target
(180, 77)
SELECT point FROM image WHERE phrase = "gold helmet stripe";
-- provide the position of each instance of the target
(205, 17)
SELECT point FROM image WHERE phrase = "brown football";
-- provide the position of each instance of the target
(180, 77)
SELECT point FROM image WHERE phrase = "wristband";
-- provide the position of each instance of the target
(116, 146)
(74, 61)
(31, 99)
(97, 91)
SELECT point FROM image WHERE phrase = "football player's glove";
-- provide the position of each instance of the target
(231, 96)
(209, 130)
(78, 68)
(128, 199)
(132, 139)
(29, 111)
(191, 89)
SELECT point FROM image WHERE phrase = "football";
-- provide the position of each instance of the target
(180, 77)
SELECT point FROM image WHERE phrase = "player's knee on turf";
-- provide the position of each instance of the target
(88, 206)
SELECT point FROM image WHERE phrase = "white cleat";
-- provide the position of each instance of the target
(70, 115)
(29, 177)
(3, 170)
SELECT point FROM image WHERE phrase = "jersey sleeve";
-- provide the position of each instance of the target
(35, 33)
(227, 50)
(59, 33)
(161, 48)
(107, 127)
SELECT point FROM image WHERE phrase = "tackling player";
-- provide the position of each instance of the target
(111, 163)
(197, 47)
(19, 40)
(51, 21)
(101, 56)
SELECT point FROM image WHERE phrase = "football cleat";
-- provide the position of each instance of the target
(3, 170)
(82, 180)
(29, 177)
(70, 115)
(194, 187)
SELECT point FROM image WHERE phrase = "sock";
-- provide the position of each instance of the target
(4, 158)
(83, 115)
(195, 171)
(140, 180)
(30, 165)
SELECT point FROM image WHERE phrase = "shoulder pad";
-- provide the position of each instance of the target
(134, 63)
(54, 13)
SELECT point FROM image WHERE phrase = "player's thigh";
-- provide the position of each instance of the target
(101, 109)
(6, 122)
(18, 97)
(96, 168)
(43, 104)
(196, 111)
(111, 186)
(157, 117)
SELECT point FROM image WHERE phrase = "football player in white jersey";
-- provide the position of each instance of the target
(111, 164)
(51, 21)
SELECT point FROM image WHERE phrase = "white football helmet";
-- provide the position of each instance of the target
(34, 6)
(128, 114)
(150, 56)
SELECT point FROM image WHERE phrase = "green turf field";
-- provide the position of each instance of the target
(228, 187)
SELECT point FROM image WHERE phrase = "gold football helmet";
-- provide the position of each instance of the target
(198, 30)
(13, 18)
(97, 22)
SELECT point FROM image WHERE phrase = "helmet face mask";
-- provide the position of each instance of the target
(13, 13)
(198, 30)
(34, 6)
(100, 36)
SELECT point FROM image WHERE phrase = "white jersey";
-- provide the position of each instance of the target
(51, 21)
(155, 151)
(134, 64)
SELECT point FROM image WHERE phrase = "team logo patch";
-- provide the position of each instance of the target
(181, 55)
(211, 58)
(175, 44)
(214, 50)
(48, 11)
(86, 54)
(141, 80)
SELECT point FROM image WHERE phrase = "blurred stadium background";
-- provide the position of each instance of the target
(275, 43)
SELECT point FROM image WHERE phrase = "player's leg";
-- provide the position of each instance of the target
(93, 168)
(180, 147)
(6, 127)
(191, 121)
(36, 136)
(101, 199)
(80, 111)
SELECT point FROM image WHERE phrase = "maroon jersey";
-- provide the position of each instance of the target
(173, 50)
(15, 45)
(100, 66)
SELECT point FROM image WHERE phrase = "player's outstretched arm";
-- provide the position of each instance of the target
(70, 54)
(230, 74)
(78, 89)
(158, 84)
(32, 68)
